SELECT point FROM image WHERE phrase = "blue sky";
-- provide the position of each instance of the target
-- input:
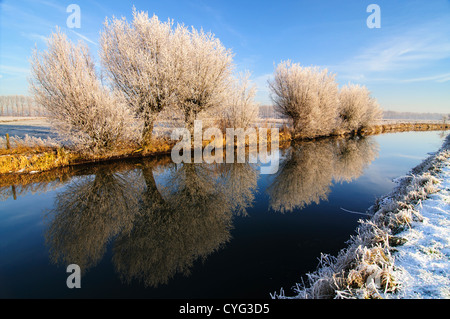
(405, 63)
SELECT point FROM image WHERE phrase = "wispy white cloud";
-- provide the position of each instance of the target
(33, 36)
(13, 17)
(408, 50)
(10, 74)
(85, 38)
(13, 70)
(402, 53)
(440, 78)
(52, 4)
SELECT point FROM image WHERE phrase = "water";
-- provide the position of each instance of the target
(40, 131)
(153, 229)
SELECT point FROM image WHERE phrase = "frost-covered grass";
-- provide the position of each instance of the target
(401, 251)
(16, 144)
(423, 262)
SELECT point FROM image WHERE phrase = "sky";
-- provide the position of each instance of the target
(405, 62)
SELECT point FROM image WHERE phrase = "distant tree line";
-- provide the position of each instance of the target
(269, 112)
(415, 116)
(19, 105)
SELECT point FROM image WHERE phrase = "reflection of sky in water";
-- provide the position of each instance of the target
(266, 249)
(399, 153)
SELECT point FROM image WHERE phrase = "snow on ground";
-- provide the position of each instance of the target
(423, 262)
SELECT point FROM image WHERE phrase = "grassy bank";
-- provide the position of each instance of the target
(380, 128)
(17, 185)
(22, 158)
(404, 127)
(366, 267)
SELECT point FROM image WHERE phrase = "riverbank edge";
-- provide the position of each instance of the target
(40, 161)
(366, 268)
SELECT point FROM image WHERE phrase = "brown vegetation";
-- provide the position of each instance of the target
(25, 157)
(403, 127)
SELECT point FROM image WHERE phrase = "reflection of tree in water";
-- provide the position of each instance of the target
(187, 221)
(308, 172)
(158, 230)
(303, 178)
(88, 214)
(18, 185)
(352, 157)
(162, 229)
(240, 183)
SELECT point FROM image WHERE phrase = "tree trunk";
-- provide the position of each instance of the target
(189, 118)
(147, 132)
(152, 197)
(295, 124)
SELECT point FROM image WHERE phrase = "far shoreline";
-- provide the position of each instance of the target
(47, 158)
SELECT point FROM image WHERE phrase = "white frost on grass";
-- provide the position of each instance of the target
(423, 262)
(401, 251)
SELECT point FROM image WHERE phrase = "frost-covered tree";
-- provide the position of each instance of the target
(140, 60)
(373, 113)
(353, 104)
(308, 96)
(357, 108)
(160, 66)
(240, 109)
(206, 75)
(19, 105)
(64, 81)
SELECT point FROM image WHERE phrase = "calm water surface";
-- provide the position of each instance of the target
(153, 229)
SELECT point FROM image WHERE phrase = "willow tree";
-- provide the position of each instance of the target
(240, 109)
(64, 82)
(308, 96)
(139, 60)
(206, 77)
(160, 66)
(357, 108)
